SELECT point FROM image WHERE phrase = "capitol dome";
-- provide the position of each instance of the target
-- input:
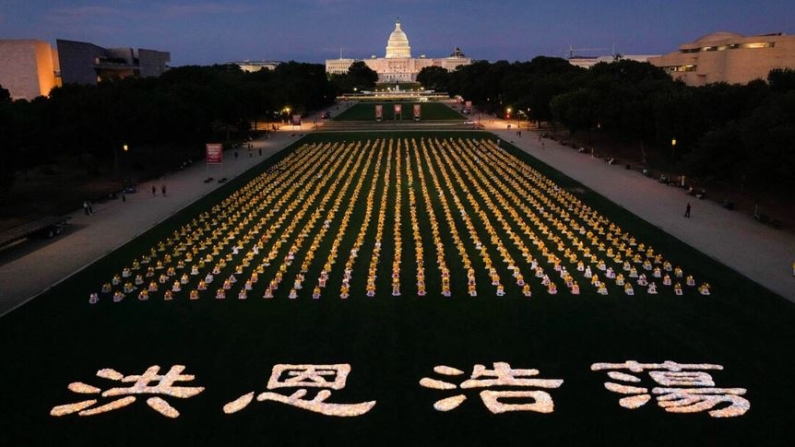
(398, 44)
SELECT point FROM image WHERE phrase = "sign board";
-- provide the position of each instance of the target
(379, 112)
(215, 154)
(296, 120)
(398, 111)
(417, 112)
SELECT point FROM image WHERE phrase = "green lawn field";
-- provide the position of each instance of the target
(430, 111)
(347, 336)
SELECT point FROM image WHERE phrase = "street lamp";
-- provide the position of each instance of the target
(126, 182)
(673, 150)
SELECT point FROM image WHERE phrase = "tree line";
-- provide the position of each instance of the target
(162, 120)
(731, 133)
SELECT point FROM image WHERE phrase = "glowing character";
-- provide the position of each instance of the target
(502, 376)
(149, 382)
(327, 377)
(683, 388)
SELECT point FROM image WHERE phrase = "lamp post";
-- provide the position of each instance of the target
(126, 181)
(673, 150)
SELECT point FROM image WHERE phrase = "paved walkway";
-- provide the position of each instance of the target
(114, 223)
(759, 252)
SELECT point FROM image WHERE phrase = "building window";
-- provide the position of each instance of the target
(755, 45)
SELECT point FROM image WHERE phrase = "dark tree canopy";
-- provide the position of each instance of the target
(5, 95)
(434, 78)
(359, 77)
(173, 115)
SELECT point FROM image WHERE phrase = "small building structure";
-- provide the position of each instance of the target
(254, 66)
(590, 61)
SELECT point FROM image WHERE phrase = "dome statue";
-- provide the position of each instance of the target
(398, 44)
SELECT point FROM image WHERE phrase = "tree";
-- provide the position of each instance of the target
(362, 76)
(434, 78)
(781, 79)
(5, 95)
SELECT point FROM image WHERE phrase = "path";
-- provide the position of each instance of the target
(759, 252)
(114, 223)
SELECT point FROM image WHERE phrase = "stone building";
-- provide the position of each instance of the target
(398, 65)
(31, 68)
(728, 57)
(86, 63)
(28, 68)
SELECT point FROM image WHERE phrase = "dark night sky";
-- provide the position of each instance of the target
(214, 31)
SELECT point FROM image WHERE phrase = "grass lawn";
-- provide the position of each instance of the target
(431, 111)
(387, 213)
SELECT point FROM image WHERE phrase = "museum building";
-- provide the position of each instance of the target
(728, 57)
(30, 68)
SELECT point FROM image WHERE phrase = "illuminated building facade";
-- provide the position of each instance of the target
(254, 66)
(728, 57)
(31, 68)
(28, 68)
(398, 65)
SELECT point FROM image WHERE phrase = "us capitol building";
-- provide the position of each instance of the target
(398, 65)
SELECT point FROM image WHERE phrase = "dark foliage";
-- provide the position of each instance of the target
(165, 120)
(734, 133)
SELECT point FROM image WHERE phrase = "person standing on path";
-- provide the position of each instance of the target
(163, 189)
(687, 210)
(85, 206)
(154, 191)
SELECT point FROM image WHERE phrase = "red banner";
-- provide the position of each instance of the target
(215, 154)
(379, 112)
(417, 111)
(398, 108)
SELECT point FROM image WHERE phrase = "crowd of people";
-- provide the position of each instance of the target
(482, 222)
